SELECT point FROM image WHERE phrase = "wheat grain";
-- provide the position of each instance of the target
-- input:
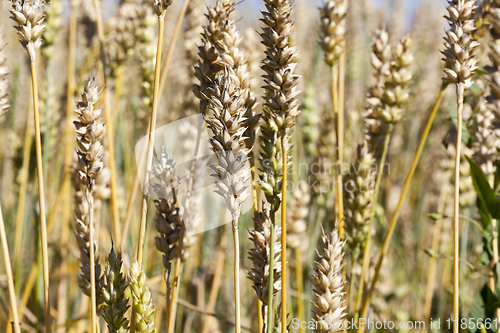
(330, 308)
(113, 290)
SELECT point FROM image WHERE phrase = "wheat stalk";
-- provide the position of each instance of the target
(330, 308)
(160, 8)
(461, 64)
(30, 28)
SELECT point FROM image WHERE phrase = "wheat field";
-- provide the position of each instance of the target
(260, 166)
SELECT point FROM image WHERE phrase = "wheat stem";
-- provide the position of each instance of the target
(270, 296)
(456, 210)
(340, 144)
(366, 251)
(394, 220)
(236, 276)
(151, 129)
(283, 237)
(41, 198)
(10, 278)
(300, 288)
(93, 303)
(175, 289)
(171, 47)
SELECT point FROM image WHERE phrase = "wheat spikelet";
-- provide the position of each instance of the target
(168, 220)
(29, 18)
(4, 82)
(299, 210)
(333, 27)
(330, 308)
(114, 304)
(259, 255)
(360, 188)
(89, 132)
(142, 301)
(459, 44)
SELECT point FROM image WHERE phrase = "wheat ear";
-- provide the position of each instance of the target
(330, 308)
(142, 302)
(90, 151)
(280, 110)
(459, 46)
(113, 290)
(227, 125)
(30, 28)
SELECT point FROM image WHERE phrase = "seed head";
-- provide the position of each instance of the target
(29, 17)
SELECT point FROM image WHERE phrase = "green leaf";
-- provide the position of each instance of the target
(466, 137)
(484, 307)
(484, 190)
(480, 71)
(436, 216)
(431, 253)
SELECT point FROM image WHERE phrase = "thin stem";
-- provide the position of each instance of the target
(429, 291)
(118, 93)
(335, 103)
(175, 289)
(456, 210)
(340, 145)
(171, 47)
(93, 308)
(270, 317)
(151, 138)
(394, 220)
(366, 251)
(216, 281)
(300, 288)
(10, 278)
(283, 236)
(41, 200)
(236, 276)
